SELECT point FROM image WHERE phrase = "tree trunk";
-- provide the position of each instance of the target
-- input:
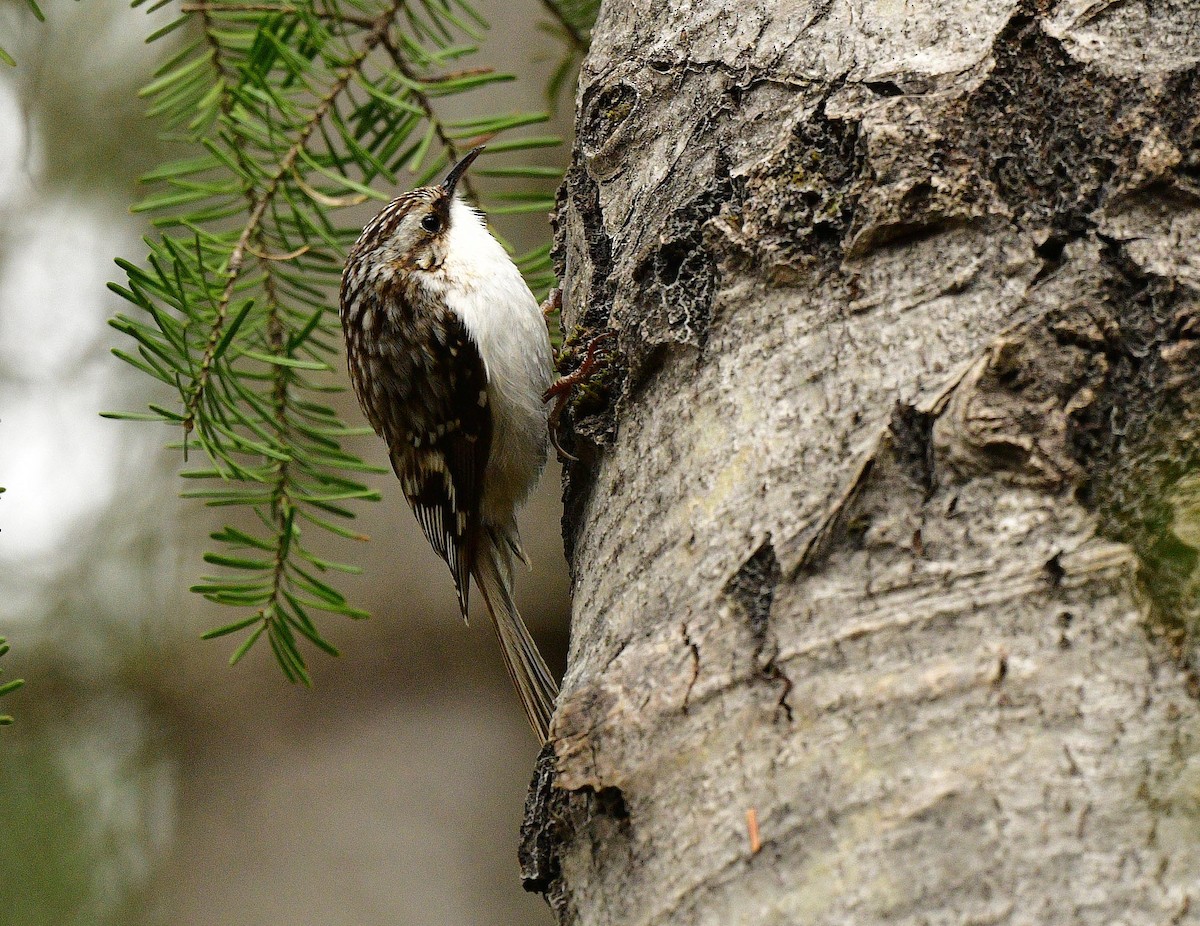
(884, 542)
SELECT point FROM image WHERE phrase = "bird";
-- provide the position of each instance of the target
(450, 358)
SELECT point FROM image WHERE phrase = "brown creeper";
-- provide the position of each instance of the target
(449, 357)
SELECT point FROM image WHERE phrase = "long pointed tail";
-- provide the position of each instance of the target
(526, 668)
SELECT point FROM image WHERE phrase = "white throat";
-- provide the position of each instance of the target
(482, 285)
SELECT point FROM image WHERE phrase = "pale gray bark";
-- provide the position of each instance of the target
(886, 533)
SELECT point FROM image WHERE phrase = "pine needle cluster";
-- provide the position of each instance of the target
(7, 687)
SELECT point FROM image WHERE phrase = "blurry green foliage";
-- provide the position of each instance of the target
(7, 687)
(85, 814)
(44, 855)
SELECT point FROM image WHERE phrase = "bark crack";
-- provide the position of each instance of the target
(694, 650)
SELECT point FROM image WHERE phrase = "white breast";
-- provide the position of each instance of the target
(484, 287)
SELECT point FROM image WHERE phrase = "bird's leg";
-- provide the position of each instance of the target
(552, 304)
(561, 389)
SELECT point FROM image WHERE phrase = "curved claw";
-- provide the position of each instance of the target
(552, 423)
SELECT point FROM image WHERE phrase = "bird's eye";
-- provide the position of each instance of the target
(431, 222)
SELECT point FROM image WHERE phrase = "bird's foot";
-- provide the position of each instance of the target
(562, 389)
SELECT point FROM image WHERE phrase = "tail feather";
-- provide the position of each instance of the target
(534, 683)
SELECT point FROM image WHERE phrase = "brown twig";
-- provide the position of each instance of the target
(364, 21)
(290, 255)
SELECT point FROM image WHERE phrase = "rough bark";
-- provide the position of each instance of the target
(885, 534)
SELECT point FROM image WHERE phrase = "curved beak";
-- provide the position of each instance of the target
(459, 169)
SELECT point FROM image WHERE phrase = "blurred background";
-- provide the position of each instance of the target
(145, 782)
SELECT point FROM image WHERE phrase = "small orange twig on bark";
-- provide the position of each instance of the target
(752, 829)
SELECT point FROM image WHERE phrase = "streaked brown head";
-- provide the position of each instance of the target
(409, 233)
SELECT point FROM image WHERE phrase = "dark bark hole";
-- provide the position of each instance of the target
(907, 234)
(884, 88)
(610, 802)
(1054, 570)
(912, 443)
(1009, 377)
(753, 589)
(1006, 453)
(826, 234)
(856, 530)
(670, 260)
(1051, 250)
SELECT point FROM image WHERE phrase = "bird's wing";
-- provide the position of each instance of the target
(442, 449)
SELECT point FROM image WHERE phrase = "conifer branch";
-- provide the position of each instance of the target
(260, 201)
